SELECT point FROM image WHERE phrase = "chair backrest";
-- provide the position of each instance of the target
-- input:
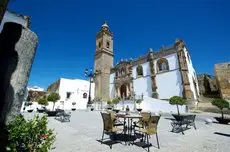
(152, 124)
(107, 121)
(145, 116)
(113, 115)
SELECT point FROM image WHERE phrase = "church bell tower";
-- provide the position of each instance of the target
(103, 62)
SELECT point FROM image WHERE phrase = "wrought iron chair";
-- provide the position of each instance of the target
(151, 129)
(141, 123)
(115, 120)
(108, 126)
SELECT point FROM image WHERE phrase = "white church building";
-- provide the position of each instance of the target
(157, 75)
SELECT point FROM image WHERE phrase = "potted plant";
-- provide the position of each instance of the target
(139, 101)
(73, 103)
(221, 104)
(176, 100)
(42, 101)
(109, 102)
(115, 101)
(53, 97)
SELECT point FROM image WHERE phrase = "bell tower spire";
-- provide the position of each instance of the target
(103, 61)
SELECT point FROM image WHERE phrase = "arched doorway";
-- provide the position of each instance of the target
(123, 91)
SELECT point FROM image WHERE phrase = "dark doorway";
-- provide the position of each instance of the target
(123, 91)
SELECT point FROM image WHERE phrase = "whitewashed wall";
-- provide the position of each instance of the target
(112, 91)
(152, 105)
(142, 84)
(169, 83)
(78, 88)
(191, 73)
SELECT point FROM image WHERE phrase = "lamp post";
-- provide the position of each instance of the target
(89, 74)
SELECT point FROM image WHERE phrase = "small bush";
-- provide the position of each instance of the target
(115, 101)
(109, 102)
(42, 101)
(30, 136)
(176, 100)
(221, 104)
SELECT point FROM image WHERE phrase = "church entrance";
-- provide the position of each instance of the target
(123, 91)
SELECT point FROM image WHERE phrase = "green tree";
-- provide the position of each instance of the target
(116, 100)
(176, 100)
(42, 101)
(221, 104)
(53, 97)
(109, 102)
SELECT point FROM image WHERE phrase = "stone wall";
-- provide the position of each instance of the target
(207, 85)
(25, 48)
(222, 72)
(34, 95)
(54, 87)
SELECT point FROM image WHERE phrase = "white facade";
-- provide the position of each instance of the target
(73, 90)
(142, 85)
(169, 83)
(70, 90)
(192, 75)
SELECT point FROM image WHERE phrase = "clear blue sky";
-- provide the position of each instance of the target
(67, 31)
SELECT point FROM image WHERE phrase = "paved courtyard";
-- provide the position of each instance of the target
(85, 128)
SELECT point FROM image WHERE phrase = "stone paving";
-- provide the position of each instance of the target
(85, 128)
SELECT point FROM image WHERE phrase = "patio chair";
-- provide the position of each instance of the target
(116, 122)
(108, 126)
(141, 123)
(151, 129)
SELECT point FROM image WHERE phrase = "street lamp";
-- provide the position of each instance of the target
(89, 74)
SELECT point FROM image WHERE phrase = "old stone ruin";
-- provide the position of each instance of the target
(17, 47)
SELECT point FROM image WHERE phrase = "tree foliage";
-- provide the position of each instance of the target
(42, 101)
(109, 102)
(53, 97)
(116, 100)
(138, 101)
(176, 100)
(220, 103)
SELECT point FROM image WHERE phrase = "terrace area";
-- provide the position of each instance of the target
(84, 130)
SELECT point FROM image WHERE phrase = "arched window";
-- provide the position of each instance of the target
(108, 44)
(163, 65)
(84, 95)
(139, 70)
(122, 71)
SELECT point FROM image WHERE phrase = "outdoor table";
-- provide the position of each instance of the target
(129, 118)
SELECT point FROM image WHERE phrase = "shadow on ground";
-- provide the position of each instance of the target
(222, 134)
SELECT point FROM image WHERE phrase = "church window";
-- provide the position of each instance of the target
(99, 44)
(84, 95)
(139, 70)
(108, 44)
(162, 65)
(123, 71)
